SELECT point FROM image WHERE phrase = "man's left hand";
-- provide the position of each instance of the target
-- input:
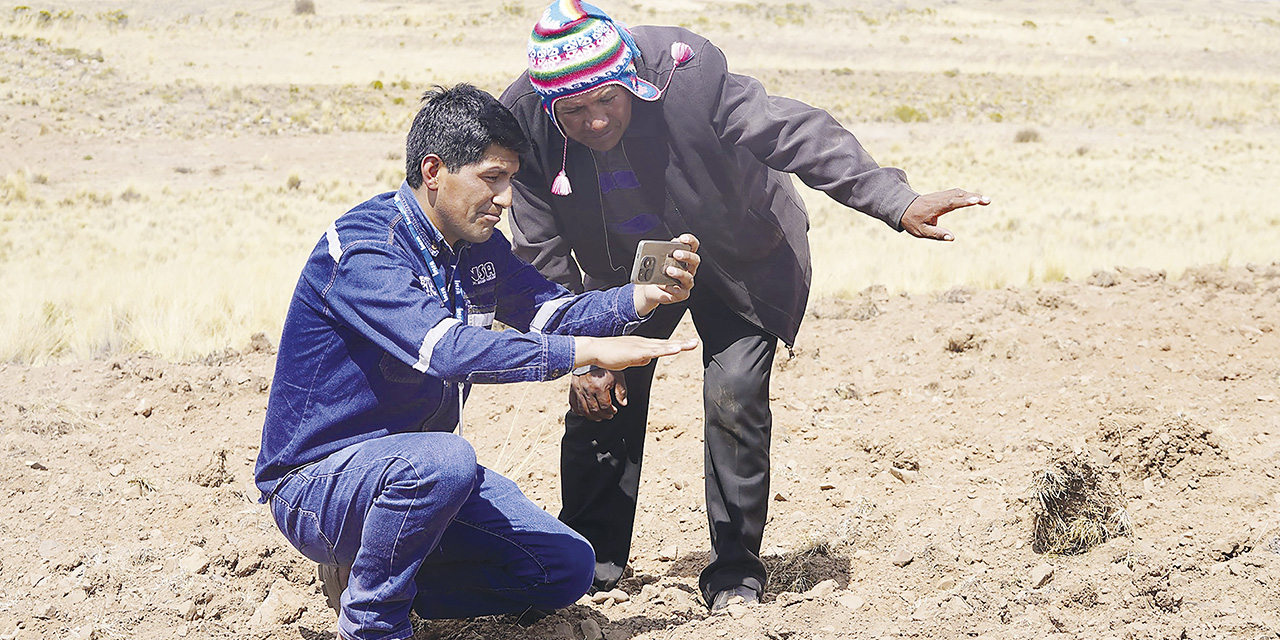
(649, 296)
(921, 217)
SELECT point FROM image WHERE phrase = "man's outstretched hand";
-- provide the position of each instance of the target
(620, 352)
(921, 217)
(593, 395)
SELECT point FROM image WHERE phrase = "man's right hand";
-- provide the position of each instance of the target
(592, 394)
(921, 217)
(620, 352)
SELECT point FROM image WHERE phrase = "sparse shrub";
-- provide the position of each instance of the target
(1029, 24)
(391, 176)
(964, 340)
(117, 18)
(908, 113)
(513, 8)
(1052, 273)
(1076, 506)
(800, 570)
(14, 188)
(304, 7)
(294, 181)
(1027, 135)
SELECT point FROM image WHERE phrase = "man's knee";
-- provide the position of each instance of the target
(443, 463)
(734, 389)
(571, 574)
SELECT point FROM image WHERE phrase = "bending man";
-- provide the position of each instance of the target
(636, 134)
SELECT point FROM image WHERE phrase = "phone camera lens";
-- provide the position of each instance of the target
(646, 267)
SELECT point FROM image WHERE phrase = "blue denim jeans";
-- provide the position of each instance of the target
(423, 526)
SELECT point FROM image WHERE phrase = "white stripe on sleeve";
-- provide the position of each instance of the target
(335, 245)
(429, 343)
(545, 311)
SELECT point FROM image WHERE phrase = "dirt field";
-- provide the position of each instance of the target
(128, 511)
(167, 165)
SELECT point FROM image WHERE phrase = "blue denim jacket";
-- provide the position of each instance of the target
(368, 347)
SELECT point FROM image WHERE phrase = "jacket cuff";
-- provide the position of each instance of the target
(896, 205)
(560, 355)
(625, 306)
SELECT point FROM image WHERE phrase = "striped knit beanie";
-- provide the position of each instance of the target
(576, 47)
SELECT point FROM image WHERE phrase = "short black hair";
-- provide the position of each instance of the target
(459, 124)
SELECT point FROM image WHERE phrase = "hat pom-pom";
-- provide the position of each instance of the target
(560, 186)
(681, 51)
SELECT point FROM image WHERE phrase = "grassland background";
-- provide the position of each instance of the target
(166, 166)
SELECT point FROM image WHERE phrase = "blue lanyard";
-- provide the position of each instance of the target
(456, 304)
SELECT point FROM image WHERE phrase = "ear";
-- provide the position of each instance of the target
(432, 166)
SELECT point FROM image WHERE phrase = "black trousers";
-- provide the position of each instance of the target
(600, 461)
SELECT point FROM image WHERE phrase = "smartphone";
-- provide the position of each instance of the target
(652, 259)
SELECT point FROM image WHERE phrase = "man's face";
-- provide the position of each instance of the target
(597, 118)
(466, 204)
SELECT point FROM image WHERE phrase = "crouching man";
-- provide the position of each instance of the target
(388, 327)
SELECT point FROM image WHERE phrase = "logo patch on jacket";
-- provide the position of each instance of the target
(483, 273)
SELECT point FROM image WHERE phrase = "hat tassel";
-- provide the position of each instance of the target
(560, 186)
(682, 53)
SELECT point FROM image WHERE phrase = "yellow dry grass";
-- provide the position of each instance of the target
(1076, 506)
(145, 199)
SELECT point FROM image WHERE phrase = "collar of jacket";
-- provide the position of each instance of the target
(434, 239)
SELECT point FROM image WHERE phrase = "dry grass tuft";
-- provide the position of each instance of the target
(1026, 135)
(214, 473)
(963, 340)
(800, 570)
(52, 418)
(1077, 507)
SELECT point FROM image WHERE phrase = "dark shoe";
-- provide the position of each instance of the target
(333, 581)
(608, 576)
(737, 595)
